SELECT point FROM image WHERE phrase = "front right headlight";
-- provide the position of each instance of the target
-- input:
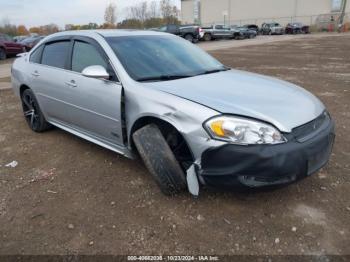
(243, 131)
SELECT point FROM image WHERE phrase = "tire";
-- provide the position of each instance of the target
(207, 37)
(2, 54)
(189, 38)
(32, 112)
(160, 160)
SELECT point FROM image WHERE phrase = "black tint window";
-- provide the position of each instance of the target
(55, 54)
(85, 55)
(36, 55)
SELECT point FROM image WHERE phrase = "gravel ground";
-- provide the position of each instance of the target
(68, 196)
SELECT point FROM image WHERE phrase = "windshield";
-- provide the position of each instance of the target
(160, 58)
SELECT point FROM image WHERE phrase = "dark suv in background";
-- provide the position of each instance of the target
(9, 47)
(191, 33)
(297, 28)
(253, 28)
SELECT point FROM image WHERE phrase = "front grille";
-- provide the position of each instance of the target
(305, 132)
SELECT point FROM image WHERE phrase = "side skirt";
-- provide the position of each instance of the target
(115, 148)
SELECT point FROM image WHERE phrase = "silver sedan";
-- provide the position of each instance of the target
(193, 121)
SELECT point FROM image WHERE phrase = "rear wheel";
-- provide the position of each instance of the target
(160, 160)
(32, 112)
(207, 37)
(189, 37)
(2, 54)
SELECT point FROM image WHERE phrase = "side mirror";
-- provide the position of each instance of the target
(95, 71)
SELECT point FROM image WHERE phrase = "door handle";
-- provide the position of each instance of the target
(71, 83)
(35, 73)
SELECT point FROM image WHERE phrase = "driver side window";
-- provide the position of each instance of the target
(85, 55)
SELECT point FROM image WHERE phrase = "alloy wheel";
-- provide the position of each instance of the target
(31, 112)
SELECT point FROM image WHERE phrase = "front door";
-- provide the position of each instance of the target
(95, 104)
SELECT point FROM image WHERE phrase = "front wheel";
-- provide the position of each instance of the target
(32, 112)
(160, 160)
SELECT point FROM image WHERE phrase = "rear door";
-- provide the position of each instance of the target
(173, 29)
(95, 104)
(228, 32)
(219, 31)
(48, 75)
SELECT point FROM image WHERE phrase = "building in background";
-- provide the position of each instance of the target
(238, 12)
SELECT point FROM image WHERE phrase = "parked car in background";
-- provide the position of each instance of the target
(20, 38)
(297, 28)
(237, 34)
(30, 42)
(272, 29)
(246, 32)
(217, 31)
(253, 27)
(9, 47)
(191, 119)
(191, 33)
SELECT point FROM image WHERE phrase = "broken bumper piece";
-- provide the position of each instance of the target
(268, 165)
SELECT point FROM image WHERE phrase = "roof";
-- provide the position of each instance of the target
(110, 32)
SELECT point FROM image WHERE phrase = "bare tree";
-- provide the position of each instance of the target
(110, 16)
(169, 11)
(165, 8)
(153, 10)
(140, 11)
(7, 28)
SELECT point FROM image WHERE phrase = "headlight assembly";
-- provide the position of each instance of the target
(243, 131)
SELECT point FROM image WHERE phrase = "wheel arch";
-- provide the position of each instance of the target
(22, 88)
(162, 124)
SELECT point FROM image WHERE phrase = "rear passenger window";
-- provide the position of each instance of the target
(85, 55)
(55, 54)
(36, 55)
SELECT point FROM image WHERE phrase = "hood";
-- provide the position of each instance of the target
(280, 103)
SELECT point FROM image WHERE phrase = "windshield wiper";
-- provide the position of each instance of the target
(162, 78)
(215, 71)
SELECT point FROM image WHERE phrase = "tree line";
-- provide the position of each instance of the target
(144, 15)
(10, 29)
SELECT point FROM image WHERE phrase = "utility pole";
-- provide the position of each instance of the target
(295, 10)
(229, 12)
(342, 15)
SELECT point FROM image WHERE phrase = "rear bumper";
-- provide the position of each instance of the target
(267, 165)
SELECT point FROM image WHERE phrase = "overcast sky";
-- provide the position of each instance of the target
(61, 12)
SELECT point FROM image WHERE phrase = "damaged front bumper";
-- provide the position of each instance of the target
(254, 166)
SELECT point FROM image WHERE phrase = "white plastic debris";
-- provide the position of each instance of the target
(12, 164)
(192, 181)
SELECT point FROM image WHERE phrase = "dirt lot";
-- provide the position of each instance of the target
(68, 196)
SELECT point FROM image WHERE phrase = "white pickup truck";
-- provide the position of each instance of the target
(217, 31)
